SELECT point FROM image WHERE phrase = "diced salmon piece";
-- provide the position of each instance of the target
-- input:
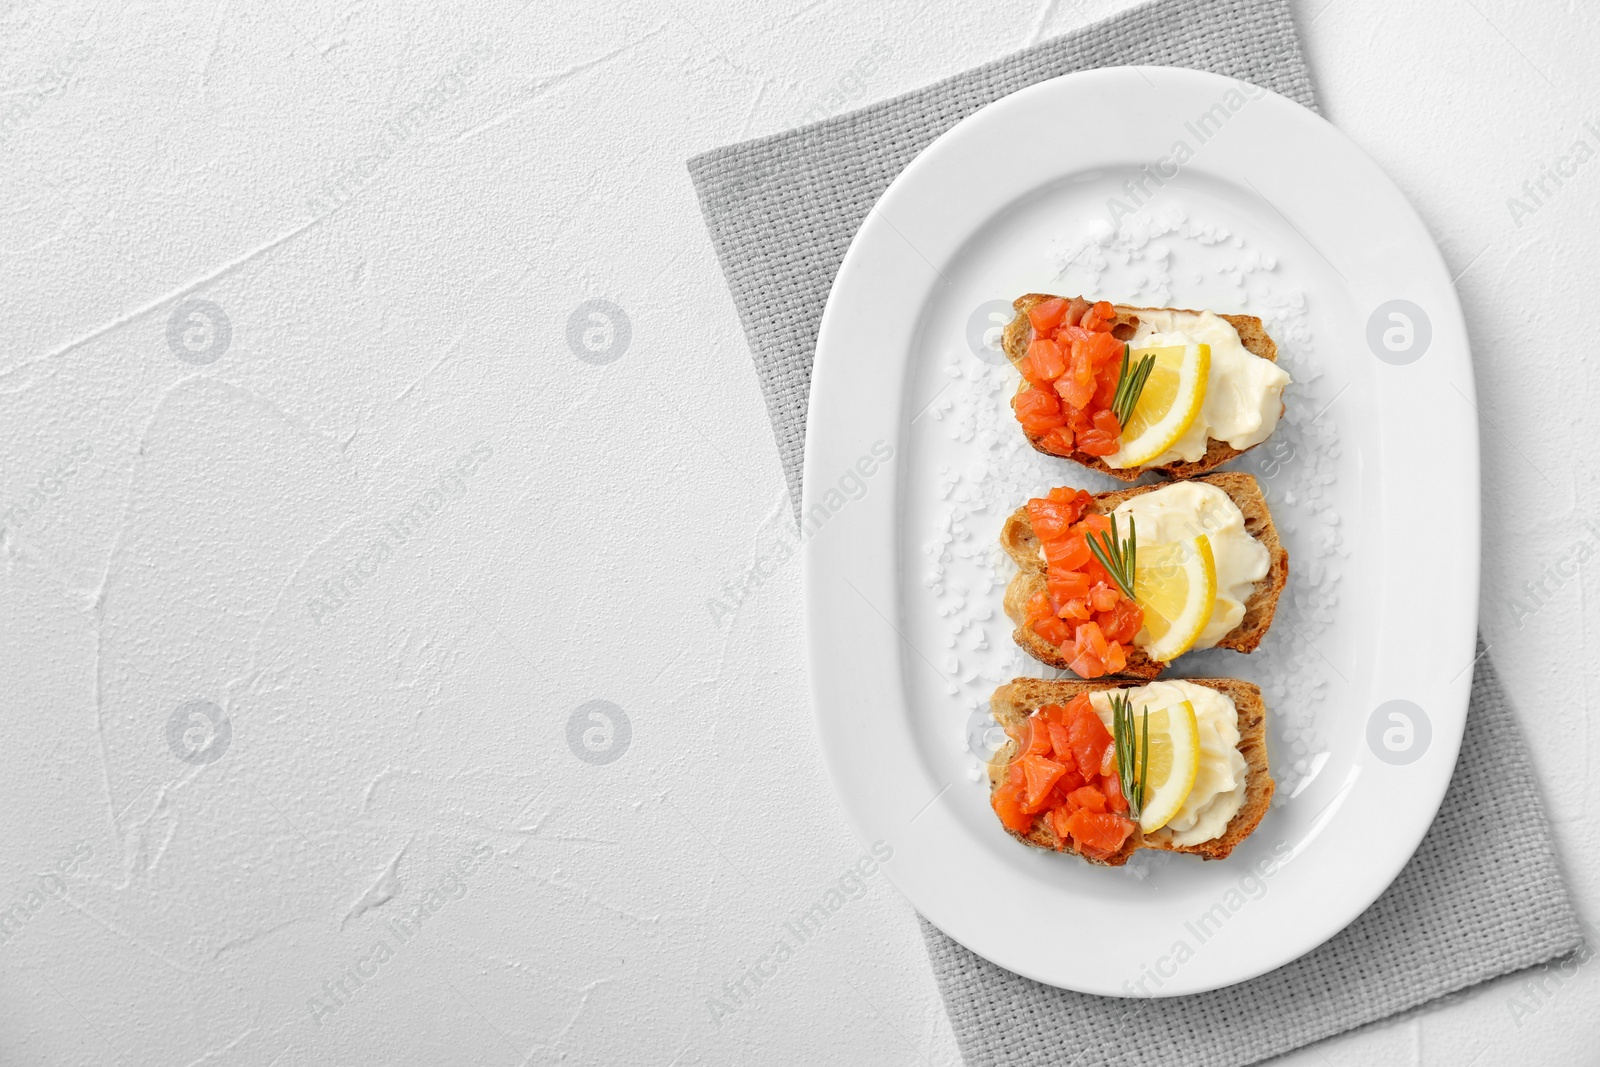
(1096, 524)
(1090, 639)
(1101, 833)
(1069, 553)
(1046, 315)
(1095, 443)
(1089, 798)
(1064, 495)
(1039, 410)
(1052, 629)
(1060, 743)
(1007, 803)
(1074, 609)
(1051, 519)
(1088, 735)
(1099, 317)
(1111, 786)
(1036, 740)
(1106, 351)
(1059, 822)
(1068, 585)
(1039, 777)
(1087, 665)
(1048, 361)
(1058, 442)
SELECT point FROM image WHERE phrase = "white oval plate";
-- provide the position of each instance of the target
(913, 460)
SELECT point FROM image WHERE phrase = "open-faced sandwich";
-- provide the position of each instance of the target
(1126, 390)
(1101, 771)
(1125, 582)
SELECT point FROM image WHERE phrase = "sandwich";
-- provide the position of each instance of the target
(1123, 583)
(1103, 769)
(1126, 390)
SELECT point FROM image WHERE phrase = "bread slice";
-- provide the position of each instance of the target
(1021, 544)
(1014, 702)
(1019, 334)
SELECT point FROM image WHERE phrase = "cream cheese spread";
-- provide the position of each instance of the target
(1219, 786)
(1244, 393)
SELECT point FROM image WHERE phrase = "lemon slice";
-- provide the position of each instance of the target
(1168, 405)
(1176, 585)
(1174, 762)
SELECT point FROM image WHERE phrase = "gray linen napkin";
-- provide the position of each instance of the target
(1469, 906)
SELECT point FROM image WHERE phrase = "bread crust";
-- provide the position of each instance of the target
(1021, 544)
(1018, 335)
(1014, 702)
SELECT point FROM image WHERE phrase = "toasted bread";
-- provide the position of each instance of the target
(1018, 539)
(1019, 333)
(1014, 702)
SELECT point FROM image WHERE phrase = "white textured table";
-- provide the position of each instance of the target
(321, 539)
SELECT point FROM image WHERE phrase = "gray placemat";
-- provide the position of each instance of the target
(1470, 905)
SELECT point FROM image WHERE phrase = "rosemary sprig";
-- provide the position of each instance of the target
(1133, 753)
(1130, 383)
(1117, 556)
